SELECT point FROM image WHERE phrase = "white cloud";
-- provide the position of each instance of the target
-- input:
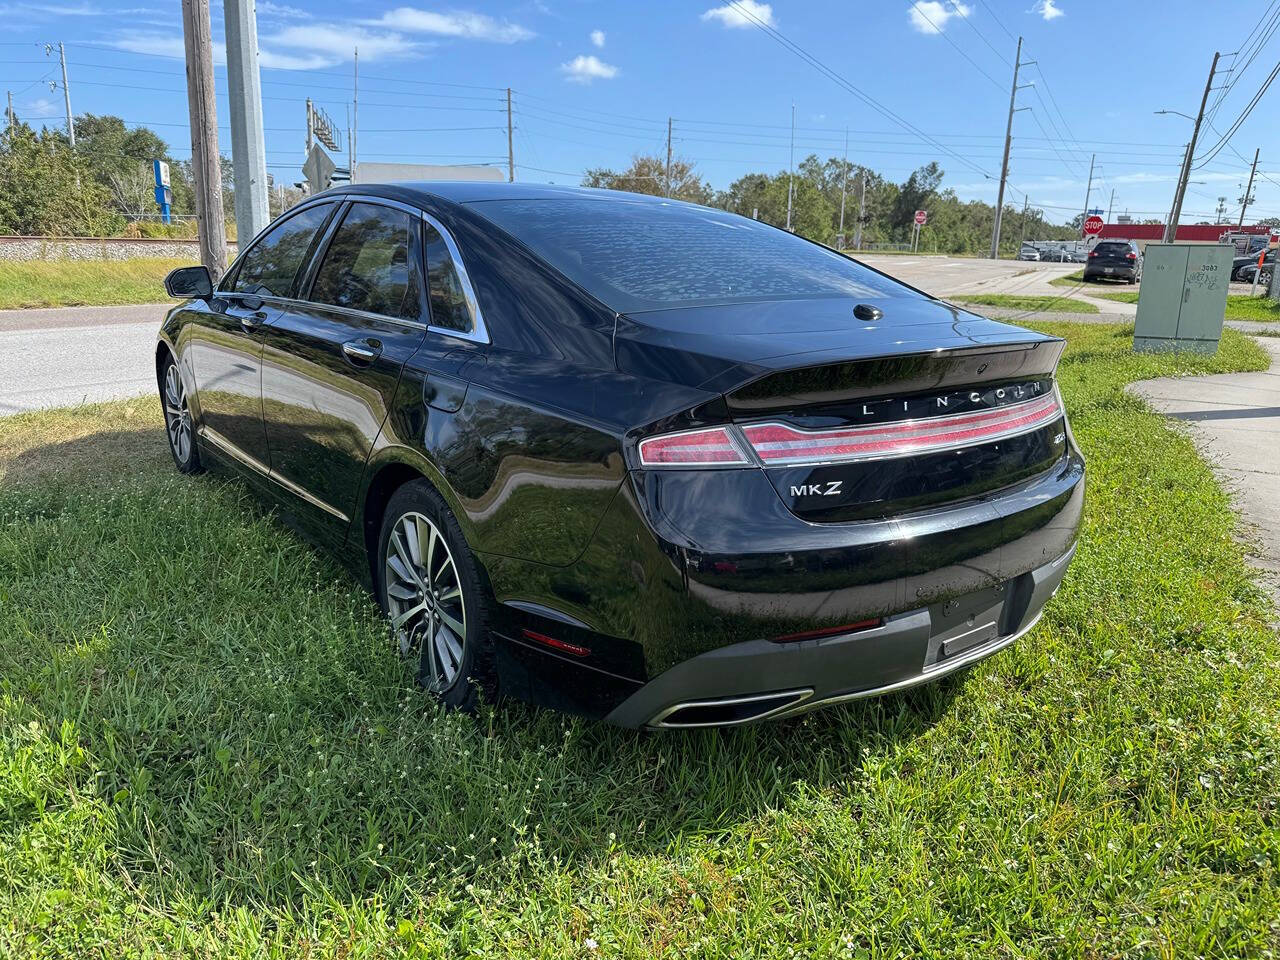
(1049, 9)
(327, 44)
(39, 109)
(740, 13)
(931, 16)
(597, 38)
(163, 45)
(584, 69)
(281, 11)
(458, 23)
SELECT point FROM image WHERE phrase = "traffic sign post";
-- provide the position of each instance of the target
(1093, 226)
(921, 218)
(164, 195)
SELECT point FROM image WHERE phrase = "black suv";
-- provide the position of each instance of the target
(1114, 260)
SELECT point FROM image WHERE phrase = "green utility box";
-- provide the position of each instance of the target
(1183, 298)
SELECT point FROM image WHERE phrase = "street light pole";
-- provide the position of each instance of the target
(1171, 228)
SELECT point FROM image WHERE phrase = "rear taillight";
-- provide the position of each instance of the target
(713, 447)
(778, 444)
(1093, 253)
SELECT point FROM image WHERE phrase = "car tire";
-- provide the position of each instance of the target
(430, 586)
(178, 423)
(1264, 278)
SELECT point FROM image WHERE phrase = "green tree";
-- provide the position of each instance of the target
(648, 174)
(47, 189)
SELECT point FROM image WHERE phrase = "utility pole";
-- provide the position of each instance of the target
(844, 183)
(1088, 191)
(1171, 228)
(206, 164)
(668, 193)
(862, 211)
(248, 147)
(311, 125)
(66, 96)
(10, 114)
(1004, 166)
(355, 109)
(1026, 202)
(511, 154)
(791, 175)
(1112, 204)
(1244, 201)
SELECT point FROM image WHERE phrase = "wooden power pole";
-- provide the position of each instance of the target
(206, 162)
(511, 153)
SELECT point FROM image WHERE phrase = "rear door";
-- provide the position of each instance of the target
(226, 346)
(331, 361)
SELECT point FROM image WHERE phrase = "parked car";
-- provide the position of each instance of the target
(1240, 265)
(1028, 253)
(638, 459)
(1077, 256)
(1054, 254)
(1264, 278)
(1114, 260)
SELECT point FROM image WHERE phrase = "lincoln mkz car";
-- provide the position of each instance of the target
(628, 457)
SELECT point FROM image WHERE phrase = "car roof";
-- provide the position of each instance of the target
(476, 191)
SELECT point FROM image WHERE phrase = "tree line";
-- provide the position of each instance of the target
(103, 187)
(955, 226)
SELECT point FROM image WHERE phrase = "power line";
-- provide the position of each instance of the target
(1244, 115)
(919, 10)
(870, 101)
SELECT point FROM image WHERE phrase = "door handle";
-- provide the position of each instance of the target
(252, 321)
(362, 351)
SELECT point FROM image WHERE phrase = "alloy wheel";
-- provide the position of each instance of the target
(177, 414)
(424, 599)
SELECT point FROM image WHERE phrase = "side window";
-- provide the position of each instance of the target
(371, 263)
(449, 307)
(269, 267)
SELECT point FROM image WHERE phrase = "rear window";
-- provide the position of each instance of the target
(1120, 248)
(645, 255)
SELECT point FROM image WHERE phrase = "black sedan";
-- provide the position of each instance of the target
(629, 457)
(1114, 260)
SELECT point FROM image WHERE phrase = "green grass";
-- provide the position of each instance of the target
(1070, 280)
(207, 748)
(1258, 309)
(66, 283)
(1239, 307)
(1013, 302)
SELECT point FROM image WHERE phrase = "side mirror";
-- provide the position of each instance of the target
(187, 283)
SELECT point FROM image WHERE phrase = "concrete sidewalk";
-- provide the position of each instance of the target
(1235, 421)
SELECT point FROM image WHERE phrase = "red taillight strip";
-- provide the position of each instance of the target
(711, 447)
(777, 443)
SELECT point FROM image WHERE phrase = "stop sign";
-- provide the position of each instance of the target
(1093, 226)
(922, 217)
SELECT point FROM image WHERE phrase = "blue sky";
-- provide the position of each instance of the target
(594, 82)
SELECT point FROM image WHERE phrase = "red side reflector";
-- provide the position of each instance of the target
(830, 631)
(554, 644)
(712, 447)
(777, 443)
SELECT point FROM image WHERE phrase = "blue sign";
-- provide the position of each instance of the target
(164, 195)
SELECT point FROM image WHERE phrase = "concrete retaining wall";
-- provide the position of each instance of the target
(13, 249)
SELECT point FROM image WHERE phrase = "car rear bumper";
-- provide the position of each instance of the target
(761, 679)
(1110, 272)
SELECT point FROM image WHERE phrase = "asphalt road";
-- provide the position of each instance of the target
(68, 355)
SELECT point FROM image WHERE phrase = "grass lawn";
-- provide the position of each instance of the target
(1259, 309)
(69, 283)
(1070, 280)
(1239, 307)
(207, 748)
(1063, 304)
